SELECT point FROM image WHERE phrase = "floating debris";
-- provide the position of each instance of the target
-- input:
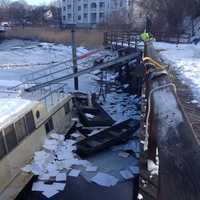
(104, 179)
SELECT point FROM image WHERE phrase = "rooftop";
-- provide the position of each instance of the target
(11, 108)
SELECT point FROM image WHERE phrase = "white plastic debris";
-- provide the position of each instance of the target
(104, 179)
(194, 102)
(123, 154)
(50, 144)
(76, 135)
(34, 168)
(74, 173)
(57, 136)
(59, 186)
(89, 115)
(39, 186)
(44, 177)
(48, 190)
(61, 177)
(50, 193)
(140, 197)
(134, 169)
(27, 168)
(91, 169)
(126, 174)
(152, 167)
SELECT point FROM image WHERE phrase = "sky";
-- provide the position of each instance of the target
(37, 2)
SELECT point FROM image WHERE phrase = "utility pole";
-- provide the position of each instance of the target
(75, 66)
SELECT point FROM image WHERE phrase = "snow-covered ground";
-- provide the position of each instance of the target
(185, 59)
(19, 57)
(16, 52)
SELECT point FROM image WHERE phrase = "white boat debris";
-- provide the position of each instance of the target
(104, 179)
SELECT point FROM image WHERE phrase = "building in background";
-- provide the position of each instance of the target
(87, 13)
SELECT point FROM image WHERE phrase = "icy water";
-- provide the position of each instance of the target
(116, 100)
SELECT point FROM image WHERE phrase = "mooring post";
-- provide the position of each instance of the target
(75, 66)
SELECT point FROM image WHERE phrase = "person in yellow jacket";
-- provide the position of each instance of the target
(145, 37)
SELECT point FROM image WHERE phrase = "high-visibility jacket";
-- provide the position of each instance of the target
(145, 36)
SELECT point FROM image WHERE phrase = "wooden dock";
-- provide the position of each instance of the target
(171, 128)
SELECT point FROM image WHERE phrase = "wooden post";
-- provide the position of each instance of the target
(75, 67)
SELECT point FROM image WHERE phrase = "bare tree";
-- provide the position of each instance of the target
(168, 15)
(4, 10)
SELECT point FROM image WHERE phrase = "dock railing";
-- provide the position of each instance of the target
(121, 39)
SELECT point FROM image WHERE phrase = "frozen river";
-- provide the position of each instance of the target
(19, 57)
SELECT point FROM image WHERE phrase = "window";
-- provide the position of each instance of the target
(69, 16)
(85, 6)
(69, 7)
(93, 17)
(93, 5)
(49, 126)
(2, 146)
(64, 18)
(101, 15)
(64, 8)
(30, 123)
(85, 15)
(79, 8)
(102, 5)
(20, 129)
(67, 108)
(10, 136)
(37, 114)
(79, 17)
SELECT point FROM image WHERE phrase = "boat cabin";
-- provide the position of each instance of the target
(24, 125)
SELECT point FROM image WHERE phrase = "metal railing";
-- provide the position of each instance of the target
(122, 39)
(115, 62)
(53, 96)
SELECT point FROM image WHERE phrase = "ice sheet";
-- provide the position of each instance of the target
(91, 169)
(41, 186)
(74, 173)
(135, 169)
(104, 179)
(126, 174)
(9, 83)
(61, 177)
(50, 193)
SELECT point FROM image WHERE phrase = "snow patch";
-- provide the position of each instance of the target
(185, 59)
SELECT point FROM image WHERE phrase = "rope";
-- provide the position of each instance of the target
(155, 63)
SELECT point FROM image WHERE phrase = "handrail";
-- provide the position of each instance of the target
(84, 71)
